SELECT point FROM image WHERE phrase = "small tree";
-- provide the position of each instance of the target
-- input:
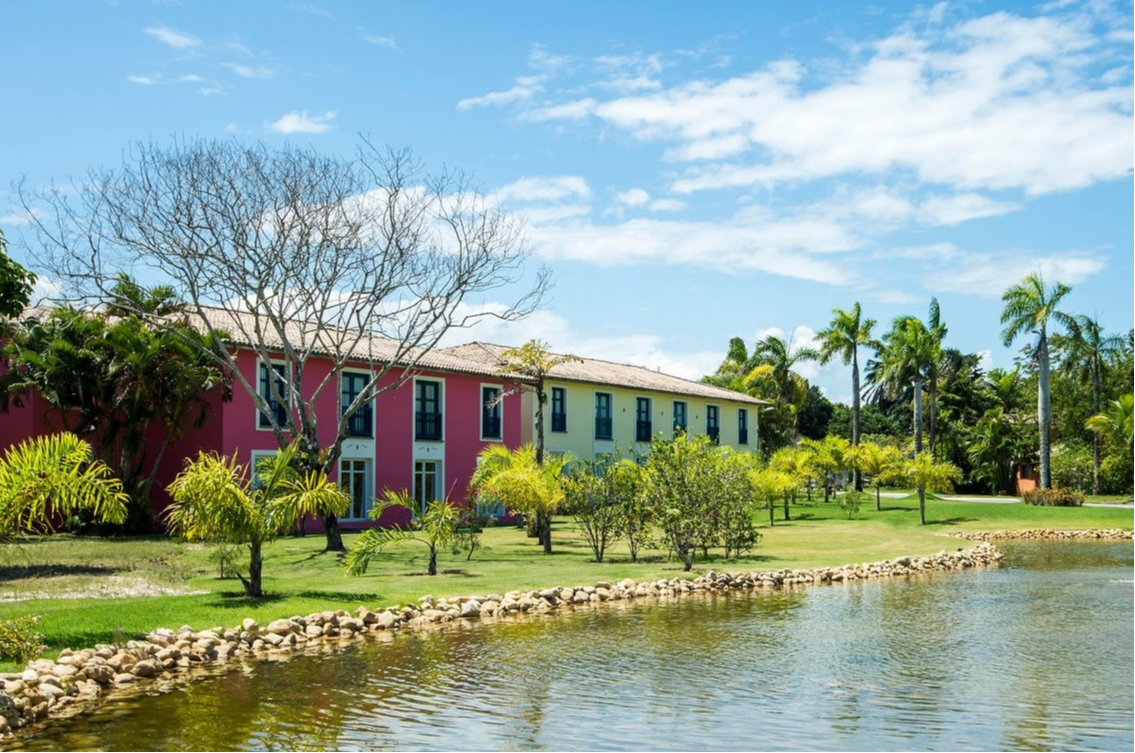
(681, 483)
(436, 527)
(533, 361)
(16, 283)
(880, 463)
(924, 474)
(596, 493)
(217, 499)
(49, 478)
(772, 486)
(515, 479)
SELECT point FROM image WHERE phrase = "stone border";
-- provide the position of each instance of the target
(76, 680)
(1045, 534)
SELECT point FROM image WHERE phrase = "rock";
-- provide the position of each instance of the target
(386, 620)
(124, 678)
(471, 608)
(52, 691)
(30, 676)
(146, 668)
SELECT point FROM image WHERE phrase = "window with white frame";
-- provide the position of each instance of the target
(355, 481)
(427, 484)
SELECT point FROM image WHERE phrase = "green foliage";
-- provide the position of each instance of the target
(849, 501)
(1053, 497)
(881, 464)
(599, 495)
(215, 500)
(517, 480)
(436, 527)
(1072, 466)
(815, 414)
(926, 475)
(533, 361)
(16, 283)
(872, 422)
(20, 639)
(54, 476)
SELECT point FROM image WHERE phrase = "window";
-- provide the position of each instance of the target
(603, 415)
(427, 409)
(559, 409)
(490, 413)
(712, 426)
(642, 430)
(258, 464)
(354, 480)
(361, 424)
(742, 426)
(679, 417)
(275, 406)
(427, 482)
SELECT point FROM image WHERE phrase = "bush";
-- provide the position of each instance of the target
(19, 640)
(1053, 498)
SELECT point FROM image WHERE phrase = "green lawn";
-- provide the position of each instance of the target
(300, 578)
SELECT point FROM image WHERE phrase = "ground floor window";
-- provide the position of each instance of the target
(354, 480)
(427, 484)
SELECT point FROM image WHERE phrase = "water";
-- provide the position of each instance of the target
(1034, 655)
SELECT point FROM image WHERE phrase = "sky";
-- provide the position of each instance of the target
(688, 172)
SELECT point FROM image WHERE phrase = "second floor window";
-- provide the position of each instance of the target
(679, 417)
(427, 409)
(490, 413)
(559, 409)
(280, 409)
(361, 423)
(603, 415)
(712, 425)
(642, 430)
(742, 426)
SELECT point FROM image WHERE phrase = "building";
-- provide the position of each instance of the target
(595, 407)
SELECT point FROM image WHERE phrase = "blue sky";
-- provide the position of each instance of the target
(690, 172)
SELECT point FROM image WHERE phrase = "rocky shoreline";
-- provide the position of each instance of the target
(1046, 534)
(78, 679)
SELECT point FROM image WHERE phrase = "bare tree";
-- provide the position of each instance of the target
(297, 256)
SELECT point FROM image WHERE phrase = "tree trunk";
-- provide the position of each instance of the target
(858, 477)
(540, 398)
(771, 507)
(932, 391)
(1095, 435)
(334, 535)
(786, 509)
(432, 568)
(917, 415)
(1044, 419)
(545, 523)
(878, 504)
(921, 505)
(252, 586)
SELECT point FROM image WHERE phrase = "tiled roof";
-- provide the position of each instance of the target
(596, 371)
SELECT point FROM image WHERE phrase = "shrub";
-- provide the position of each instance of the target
(1053, 497)
(19, 640)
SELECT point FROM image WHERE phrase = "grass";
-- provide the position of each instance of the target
(300, 578)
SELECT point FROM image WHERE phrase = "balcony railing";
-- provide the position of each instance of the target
(559, 422)
(602, 428)
(427, 425)
(361, 424)
(642, 431)
(491, 427)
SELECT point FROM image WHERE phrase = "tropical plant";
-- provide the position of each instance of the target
(515, 479)
(880, 463)
(216, 499)
(827, 458)
(1029, 306)
(436, 527)
(47, 479)
(927, 475)
(681, 484)
(908, 350)
(841, 339)
(1118, 421)
(533, 361)
(997, 444)
(937, 329)
(1085, 354)
(16, 283)
(597, 493)
(772, 486)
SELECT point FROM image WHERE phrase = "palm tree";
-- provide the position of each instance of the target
(1029, 306)
(773, 359)
(51, 477)
(435, 527)
(907, 352)
(842, 338)
(938, 334)
(1118, 420)
(534, 361)
(926, 475)
(1086, 354)
(214, 499)
(516, 479)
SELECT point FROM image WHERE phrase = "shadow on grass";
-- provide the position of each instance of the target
(238, 600)
(949, 521)
(16, 572)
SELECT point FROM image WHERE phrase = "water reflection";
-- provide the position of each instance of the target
(1034, 655)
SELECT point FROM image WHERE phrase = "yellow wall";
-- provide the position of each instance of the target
(579, 439)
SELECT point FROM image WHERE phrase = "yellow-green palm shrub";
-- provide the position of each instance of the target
(436, 527)
(515, 479)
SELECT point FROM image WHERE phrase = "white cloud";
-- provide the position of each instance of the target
(300, 122)
(635, 197)
(554, 188)
(648, 351)
(142, 80)
(667, 205)
(190, 78)
(993, 103)
(250, 71)
(988, 275)
(175, 39)
(382, 41)
(953, 210)
(525, 88)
